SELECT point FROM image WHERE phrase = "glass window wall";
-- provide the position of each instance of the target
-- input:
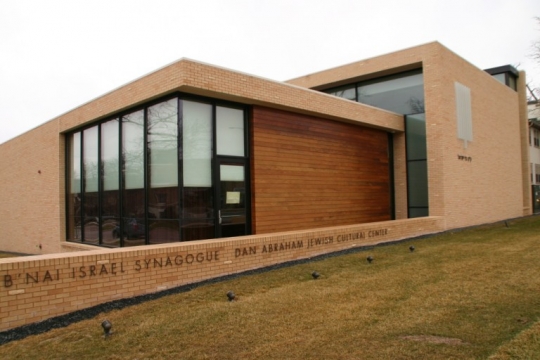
(146, 176)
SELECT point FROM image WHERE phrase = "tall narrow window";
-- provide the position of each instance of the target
(110, 169)
(133, 224)
(74, 183)
(230, 131)
(163, 219)
(91, 185)
(198, 209)
(417, 175)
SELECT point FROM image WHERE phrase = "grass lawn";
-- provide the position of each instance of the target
(471, 294)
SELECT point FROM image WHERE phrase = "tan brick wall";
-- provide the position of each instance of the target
(489, 186)
(31, 207)
(400, 177)
(40, 287)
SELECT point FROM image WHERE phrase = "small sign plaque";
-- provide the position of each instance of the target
(233, 197)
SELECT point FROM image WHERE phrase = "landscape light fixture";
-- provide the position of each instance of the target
(231, 296)
(315, 275)
(106, 325)
(369, 259)
(411, 248)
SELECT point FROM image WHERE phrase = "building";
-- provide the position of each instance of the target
(534, 150)
(218, 172)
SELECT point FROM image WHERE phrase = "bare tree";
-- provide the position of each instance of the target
(534, 92)
(536, 46)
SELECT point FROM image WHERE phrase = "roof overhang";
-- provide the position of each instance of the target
(198, 78)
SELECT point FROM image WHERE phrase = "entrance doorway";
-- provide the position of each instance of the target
(231, 198)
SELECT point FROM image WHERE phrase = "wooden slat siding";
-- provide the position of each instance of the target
(309, 172)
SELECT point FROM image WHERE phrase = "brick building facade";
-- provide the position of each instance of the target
(415, 142)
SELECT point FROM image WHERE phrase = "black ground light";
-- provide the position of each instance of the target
(107, 326)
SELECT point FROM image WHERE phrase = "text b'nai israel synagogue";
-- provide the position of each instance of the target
(208, 172)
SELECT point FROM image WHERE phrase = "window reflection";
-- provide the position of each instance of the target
(416, 137)
(417, 171)
(401, 93)
(91, 181)
(197, 144)
(230, 131)
(233, 200)
(163, 172)
(146, 177)
(132, 228)
(198, 214)
(110, 169)
(347, 92)
(74, 193)
(198, 210)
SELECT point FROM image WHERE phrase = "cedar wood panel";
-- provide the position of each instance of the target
(309, 172)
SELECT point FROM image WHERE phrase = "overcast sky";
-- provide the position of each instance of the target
(58, 54)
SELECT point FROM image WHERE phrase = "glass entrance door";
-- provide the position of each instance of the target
(232, 202)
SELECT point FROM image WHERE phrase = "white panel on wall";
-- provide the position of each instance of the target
(464, 113)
